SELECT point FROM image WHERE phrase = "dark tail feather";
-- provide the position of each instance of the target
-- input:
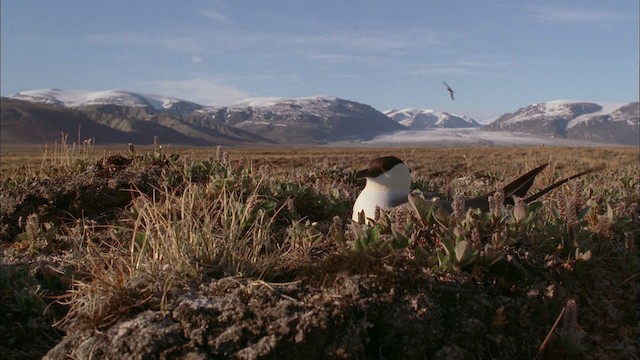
(521, 185)
(517, 187)
(557, 184)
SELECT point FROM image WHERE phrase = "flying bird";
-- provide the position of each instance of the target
(449, 89)
(388, 184)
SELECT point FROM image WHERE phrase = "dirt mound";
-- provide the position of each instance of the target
(333, 304)
(95, 194)
(397, 313)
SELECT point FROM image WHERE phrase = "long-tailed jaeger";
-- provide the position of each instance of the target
(450, 90)
(388, 184)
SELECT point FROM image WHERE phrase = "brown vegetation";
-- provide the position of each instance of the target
(248, 253)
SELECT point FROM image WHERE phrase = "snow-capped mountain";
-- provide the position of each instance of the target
(40, 116)
(318, 119)
(611, 112)
(581, 120)
(86, 98)
(419, 119)
(314, 119)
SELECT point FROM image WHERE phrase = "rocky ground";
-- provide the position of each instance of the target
(330, 304)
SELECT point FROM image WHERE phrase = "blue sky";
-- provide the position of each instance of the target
(498, 55)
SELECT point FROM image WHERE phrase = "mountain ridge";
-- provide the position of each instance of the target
(306, 120)
(615, 123)
(418, 119)
(25, 122)
(82, 98)
(310, 120)
(315, 119)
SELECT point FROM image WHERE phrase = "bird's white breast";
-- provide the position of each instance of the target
(385, 191)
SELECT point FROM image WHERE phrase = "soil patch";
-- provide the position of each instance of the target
(336, 305)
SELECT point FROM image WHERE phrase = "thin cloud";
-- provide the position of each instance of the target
(217, 16)
(118, 39)
(452, 69)
(200, 41)
(331, 58)
(461, 67)
(366, 48)
(205, 91)
(564, 14)
(368, 41)
(142, 40)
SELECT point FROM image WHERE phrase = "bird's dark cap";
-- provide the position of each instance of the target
(379, 166)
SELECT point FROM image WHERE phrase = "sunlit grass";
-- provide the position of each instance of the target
(265, 213)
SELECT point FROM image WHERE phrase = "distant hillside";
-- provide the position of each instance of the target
(84, 98)
(310, 120)
(31, 123)
(24, 122)
(315, 119)
(611, 123)
(420, 119)
(617, 126)
(115, 116)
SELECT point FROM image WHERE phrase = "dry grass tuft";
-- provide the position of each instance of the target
(272, 215)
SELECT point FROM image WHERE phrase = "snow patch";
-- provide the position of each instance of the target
(272, 100)
(607, 109)
(258, 101)
(470, 137)
(79, 98)
(417, 119)
(559, 109)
